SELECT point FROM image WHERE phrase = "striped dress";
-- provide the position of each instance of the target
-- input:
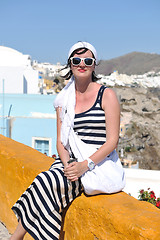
(90, 125)
(40, 206)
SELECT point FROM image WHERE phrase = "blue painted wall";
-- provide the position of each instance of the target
(22, 108)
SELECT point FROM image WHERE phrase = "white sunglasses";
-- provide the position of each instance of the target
(87, 61)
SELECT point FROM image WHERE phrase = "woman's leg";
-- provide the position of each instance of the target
(41, 205)
(19, 232)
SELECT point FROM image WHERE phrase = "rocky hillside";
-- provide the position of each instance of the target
(142, 139)
(132, 63)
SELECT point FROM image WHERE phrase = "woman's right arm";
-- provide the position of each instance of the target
(62, 152)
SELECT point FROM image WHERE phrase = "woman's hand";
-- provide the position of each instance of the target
(75, 169)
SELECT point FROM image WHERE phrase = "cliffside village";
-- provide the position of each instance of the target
(137, 107)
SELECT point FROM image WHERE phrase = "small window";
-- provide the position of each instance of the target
(43, 145)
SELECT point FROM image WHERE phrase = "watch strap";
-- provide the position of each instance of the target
(91, 164)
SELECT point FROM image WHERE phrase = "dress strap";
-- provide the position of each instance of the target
(100, 94)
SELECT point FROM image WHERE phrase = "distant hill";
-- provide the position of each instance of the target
(132, 63)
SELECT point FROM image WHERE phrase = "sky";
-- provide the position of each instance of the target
(46, 29)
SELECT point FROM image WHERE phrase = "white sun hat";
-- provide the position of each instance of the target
(83, 45)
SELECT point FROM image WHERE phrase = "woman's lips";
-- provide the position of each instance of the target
(81, 70)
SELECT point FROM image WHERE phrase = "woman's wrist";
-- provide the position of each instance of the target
(65, 163)
(85, 163)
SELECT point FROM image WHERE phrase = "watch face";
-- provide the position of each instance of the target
(91, 165)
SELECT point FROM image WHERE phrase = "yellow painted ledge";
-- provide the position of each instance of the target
(111, 217)
(19, 165)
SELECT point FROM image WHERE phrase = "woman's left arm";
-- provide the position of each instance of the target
(111, 107)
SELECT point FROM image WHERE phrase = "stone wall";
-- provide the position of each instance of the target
(19, 164)
(111, 217)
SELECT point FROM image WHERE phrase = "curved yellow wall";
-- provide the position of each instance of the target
(19, 164)
(111, 217)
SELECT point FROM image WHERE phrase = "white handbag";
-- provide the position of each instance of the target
(107, 176)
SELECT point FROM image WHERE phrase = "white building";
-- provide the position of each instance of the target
(16, 72)
(50, 70)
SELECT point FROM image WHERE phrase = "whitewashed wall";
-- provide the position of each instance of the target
(137, 179)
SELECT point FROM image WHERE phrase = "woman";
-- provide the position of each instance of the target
(88, 114)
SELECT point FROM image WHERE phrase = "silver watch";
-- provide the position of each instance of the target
(91, 164)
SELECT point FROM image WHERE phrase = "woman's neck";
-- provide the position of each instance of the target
(83, 85)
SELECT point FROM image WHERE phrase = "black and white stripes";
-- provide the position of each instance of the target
(40, 207)
(90, 125)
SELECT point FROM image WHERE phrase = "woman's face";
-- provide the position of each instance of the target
(83, 71)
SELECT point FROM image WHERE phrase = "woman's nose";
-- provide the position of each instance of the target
(82, 64)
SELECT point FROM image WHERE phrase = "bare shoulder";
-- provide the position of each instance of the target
(109, 94)
(109, 98)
